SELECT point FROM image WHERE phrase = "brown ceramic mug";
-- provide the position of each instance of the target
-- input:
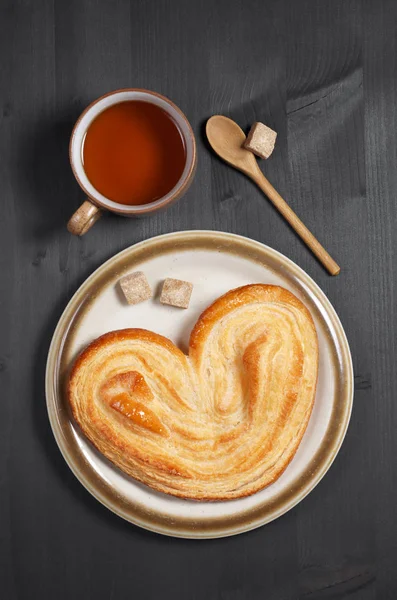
(90, 211)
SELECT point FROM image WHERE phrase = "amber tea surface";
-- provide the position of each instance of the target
(133, 153)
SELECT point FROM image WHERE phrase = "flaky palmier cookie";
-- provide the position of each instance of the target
(221, 423)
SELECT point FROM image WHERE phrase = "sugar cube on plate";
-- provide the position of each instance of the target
(135, 287)
(176, 293)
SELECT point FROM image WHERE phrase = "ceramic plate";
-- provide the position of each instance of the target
(215, 263)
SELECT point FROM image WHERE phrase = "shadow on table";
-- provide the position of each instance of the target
(48, 183)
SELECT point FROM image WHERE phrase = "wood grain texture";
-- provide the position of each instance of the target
(323, 75)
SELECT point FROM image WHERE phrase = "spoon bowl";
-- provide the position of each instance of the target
(227, 140)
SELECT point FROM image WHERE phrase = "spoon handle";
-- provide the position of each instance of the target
(332, 267)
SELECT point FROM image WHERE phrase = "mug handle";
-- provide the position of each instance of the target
(84, 218)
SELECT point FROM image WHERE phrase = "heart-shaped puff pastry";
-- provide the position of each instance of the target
(221, 423)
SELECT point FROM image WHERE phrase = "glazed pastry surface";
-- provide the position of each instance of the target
(221, 423)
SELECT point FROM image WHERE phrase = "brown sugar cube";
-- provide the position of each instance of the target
(135, 287)
(261, 140)
(176, 293)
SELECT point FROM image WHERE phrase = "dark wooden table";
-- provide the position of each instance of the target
(323, 74)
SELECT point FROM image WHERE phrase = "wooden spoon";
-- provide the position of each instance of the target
(227, 139)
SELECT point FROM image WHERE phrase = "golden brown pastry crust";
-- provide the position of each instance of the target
(222, 423)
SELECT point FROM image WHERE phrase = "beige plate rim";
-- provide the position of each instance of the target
(229, 242)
